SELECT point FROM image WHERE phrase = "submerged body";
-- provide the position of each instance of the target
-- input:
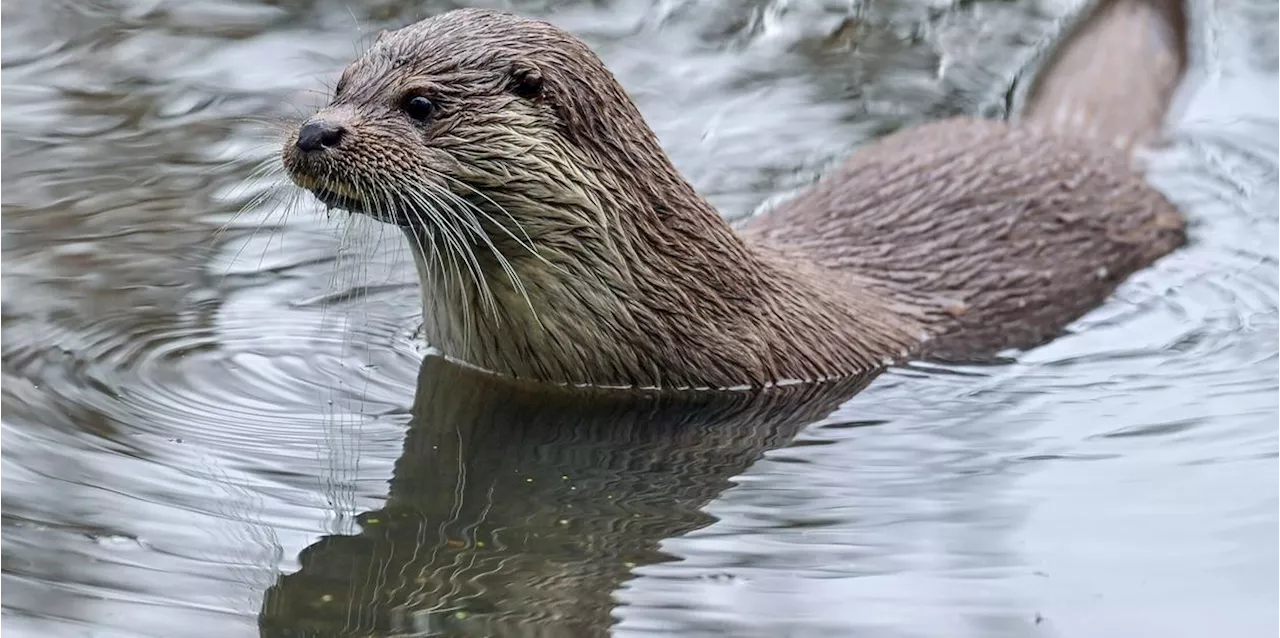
(555, 240)
(995, 234)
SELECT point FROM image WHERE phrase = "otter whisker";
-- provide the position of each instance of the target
(432, 264)
(469, 208)
(527, 244)
(260, 197)
(421, 227)
(256, 199)
(359, 277)
(503, 262)
(255, 202)
(263, 169)
(443, 211)
(336, 283)
(257, 168)
(442, 216)
(279, 125)
(252, 236)
(528, 241)
(339, 281)
(453, 257)
(453, 241)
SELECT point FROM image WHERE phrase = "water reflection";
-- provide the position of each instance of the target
(185, 411)
(518, 509)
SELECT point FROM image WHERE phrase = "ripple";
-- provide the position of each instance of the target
(204, 413)
(198, 387)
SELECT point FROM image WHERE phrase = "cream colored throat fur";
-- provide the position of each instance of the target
(621, 300)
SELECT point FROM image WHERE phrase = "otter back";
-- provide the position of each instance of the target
(1004, 233)
(1001, 234)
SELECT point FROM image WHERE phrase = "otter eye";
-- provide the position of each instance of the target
(418, 107)
(526, 82)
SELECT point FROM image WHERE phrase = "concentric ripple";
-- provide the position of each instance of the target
(207, 385)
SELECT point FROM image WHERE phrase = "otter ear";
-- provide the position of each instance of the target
(526, 80)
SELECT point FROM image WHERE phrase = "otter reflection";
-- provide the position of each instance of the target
(518, 509)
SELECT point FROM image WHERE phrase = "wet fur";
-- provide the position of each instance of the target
(596, 263)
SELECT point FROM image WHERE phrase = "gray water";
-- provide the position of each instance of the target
(209, 419)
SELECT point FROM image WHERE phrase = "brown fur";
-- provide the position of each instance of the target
(954, 239)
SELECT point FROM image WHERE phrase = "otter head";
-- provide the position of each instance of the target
(479, 125)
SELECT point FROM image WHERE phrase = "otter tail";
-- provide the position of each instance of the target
(1113, 78)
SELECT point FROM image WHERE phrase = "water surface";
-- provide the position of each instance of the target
(221, 425)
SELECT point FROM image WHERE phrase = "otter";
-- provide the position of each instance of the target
(555, 241)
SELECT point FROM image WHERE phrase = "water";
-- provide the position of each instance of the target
(215, 433)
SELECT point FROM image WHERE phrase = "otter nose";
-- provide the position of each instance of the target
(316, 134)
